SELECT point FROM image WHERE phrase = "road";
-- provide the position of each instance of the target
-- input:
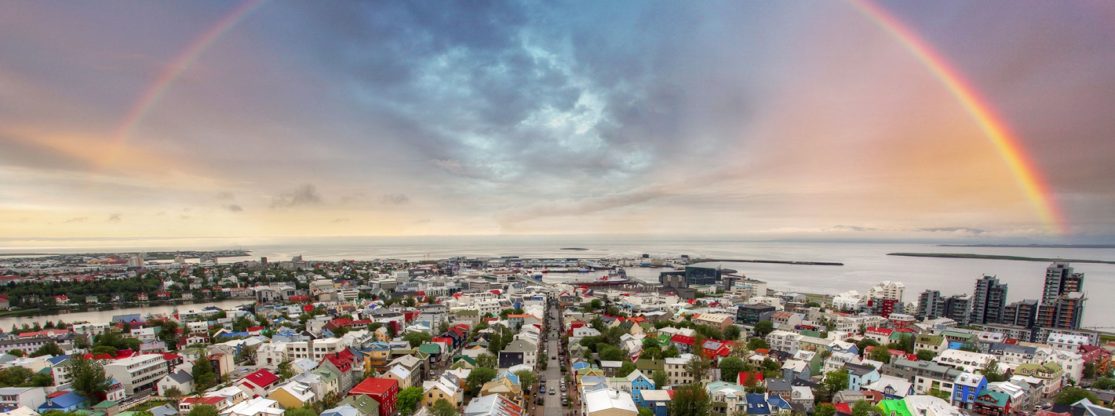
(553, 368)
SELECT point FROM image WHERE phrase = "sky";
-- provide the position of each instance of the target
(498, 118)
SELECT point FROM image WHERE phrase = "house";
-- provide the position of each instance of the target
(385, 391)
(658, 401)
(258, 406)
(187, 404)
(447, 388)
(991, 402)
(966, 388)
(677, 369)
(527, 348)
(508, 359)
(784, 341)
(860, 375)
(404, 376)
(606, 402)
(891, 387)
(15, 397)
(180, 380)
(62, 401)
(493, 405)
(138, 372)
(257, 383)
(934, 343)
(361, 405)
(639, 382)
(293, 394)
(506, 385)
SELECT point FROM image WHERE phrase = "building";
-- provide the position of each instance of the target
(677, 369)
(385, 391)
(1023, 313)
(754, 313)
(14, 397)
(1059, 280)
(606, 402)
(930, 305)
(258, 406)
(139, 372)
(697, 275)
(959, 309)
(988, 301)
(180, 380)
(887, 290)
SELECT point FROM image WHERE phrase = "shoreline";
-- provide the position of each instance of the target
(998, 257)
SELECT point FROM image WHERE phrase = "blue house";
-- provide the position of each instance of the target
(966, 389)
(860, 375)
(757, 404)
(639, 382)
(62, 401)
(778, 405)
(658, 401)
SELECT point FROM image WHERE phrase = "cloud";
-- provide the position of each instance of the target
(851, 228)
(114, 218)
(395, 199)
(582, 206)
(953, 230)
(225, 196)
(234, 207)
(75, 220)
(339, 220)
(303, 195)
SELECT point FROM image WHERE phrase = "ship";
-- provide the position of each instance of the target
(616, 277)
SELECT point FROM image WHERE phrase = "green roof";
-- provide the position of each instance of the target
(104, 405)
(430, 348)
(993, 398)
(362, 403)
(891, 407)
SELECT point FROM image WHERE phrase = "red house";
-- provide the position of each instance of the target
(382, 390)
(259, 382)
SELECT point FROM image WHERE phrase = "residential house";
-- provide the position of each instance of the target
(15, 397)
(257, 383)
(258, 406)
(180, 380)
(294, 394)
(385, 391)
(966, 389)
(446, 387)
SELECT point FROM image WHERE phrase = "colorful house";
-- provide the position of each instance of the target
(991, 402)
(639, 382)
(385, 391)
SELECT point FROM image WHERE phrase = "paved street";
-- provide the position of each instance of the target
(553, 368)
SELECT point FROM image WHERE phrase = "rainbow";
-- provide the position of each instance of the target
(181, 62)
(994, 127)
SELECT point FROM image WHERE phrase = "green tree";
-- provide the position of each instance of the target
(690, 400)
(1089, 370)
(762, 328)
(659, 378)
(697, 367)
(299, 411)
(416, 338)
(173, 393)
(880, 354)
(487, 360)
(824, 409)
(730, 368)
(926, 355)
(526, 378)
(442, 407)
(645, 412)
(17, 353)
(285, 370)
(204, 375)
(731, 333)
(203, 410)
(1104, 383)
(89, 378)
(14, 376)
(991, 372)
(408, 400)
(1070, 395)
(836, 380)
(611, 353)
(478, 377)
(862, 408)
(626, 368)
(756, 343)
(49, 348)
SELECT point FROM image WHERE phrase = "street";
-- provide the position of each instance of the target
(553, 368)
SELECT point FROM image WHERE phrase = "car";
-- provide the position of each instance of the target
(563, 388)
(551, 392)
(542, 389)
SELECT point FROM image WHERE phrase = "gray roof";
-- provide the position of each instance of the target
(181, 377)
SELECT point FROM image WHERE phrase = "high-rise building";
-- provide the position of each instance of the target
(1062, 300)
(988, 301)
(959, 309)
(1023, 313)
(887, 290)
(930, 305)
(1059, 280)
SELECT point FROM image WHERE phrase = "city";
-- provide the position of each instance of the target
(512, 336)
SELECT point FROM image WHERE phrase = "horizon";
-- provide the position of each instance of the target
(858, 121)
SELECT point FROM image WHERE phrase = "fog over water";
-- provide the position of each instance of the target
(865, 263)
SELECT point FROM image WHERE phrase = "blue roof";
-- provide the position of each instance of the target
(58, 359)
(757, 404)
(579, 365)
(127, 318)
(777, 401)
(70, 399)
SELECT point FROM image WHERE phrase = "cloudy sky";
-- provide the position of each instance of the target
(442, 118)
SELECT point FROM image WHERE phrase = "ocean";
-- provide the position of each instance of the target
(865, 263)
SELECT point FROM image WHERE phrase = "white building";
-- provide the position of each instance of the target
(608, 402)
(784, 341)
(677, 370)
(258, 406)
(139, 372)
(964, 360)
(887, 290)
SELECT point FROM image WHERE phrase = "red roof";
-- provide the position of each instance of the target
(255, 328)
(342, 360)
(745, 376)
(375, 386)
(203, 400)
(121, 354)
(682, 339)
(843, 408)
(877, 330)
(170, 356)
(261, 378)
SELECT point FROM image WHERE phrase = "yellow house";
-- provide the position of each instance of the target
(442, 390)
(293, 395)
(503, 387)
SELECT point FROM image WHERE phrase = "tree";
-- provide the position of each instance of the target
(1104, 383)
(1070, 395)
(299, 411)
(487, 360)
(173, 393)
(611, 353)
(1089, 370)
(991, 372)
(926, 355)
(730, 368)
(17, 353)
(862, 408)
(836, 380)
(762, 328)
(645, 412)
(408, 400)
(49, 348)
(824, 409)
(204, 376)
(697, 367)
(526, 378)
(203, 410)
(670, 352)
(756, 343)
(880, 354)
(690, 400)
(416, 338)
(285, 370)
(626, 368)
(731, 333)
(478, 377)
(442, 407)
(659, 378)
(89, 378)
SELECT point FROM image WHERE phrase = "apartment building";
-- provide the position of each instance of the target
(139, 372)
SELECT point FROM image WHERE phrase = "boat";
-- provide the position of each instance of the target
(617, 277)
